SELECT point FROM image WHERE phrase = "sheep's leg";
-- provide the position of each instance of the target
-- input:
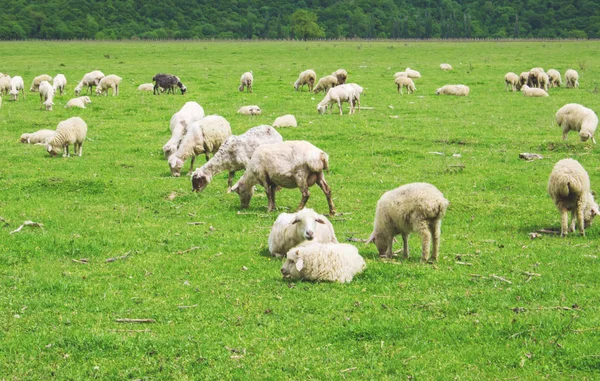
(192, 164)
(325, 187)
(564, 222)
(399, 89)
(80, 149)
(66, 151)
(230, 180)
(405, 252)
(116, 90)
(75, 148)
(425, 241)
(271, 189)
(340, 106)
(580, 209)
(436, 232)
(207, 155)
(573, 221)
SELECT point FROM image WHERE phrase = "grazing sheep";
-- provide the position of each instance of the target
(533, 91)
(190, 113)
(555, 80)
(458, 90)
(249, 110)
(333, 262)
(415, 207)
(405, 82)
(111, 81)
(46, 95)
(357, 92)
(325, 83)
(246, 81)
(544, 81)
(41, 136)
(445, 67)
(569, 187)
(287, 120)
(307, 77)
(234, 155)
(572, 78)
(35, 85)
(16, 84)
(341, 75)
(59, 82)
(5, 85)
(146, 87)
(523, 79)
(78, 102)
(70, 131)
(512, 81)
(412, 73)
(204, 136)
(291, 229)
(575, 117)
(400, 74)
(534, 78)
(167, 82)
(290, 164)
(338, 95)
(89, 80)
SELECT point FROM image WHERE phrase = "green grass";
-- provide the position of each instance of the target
(399, 319)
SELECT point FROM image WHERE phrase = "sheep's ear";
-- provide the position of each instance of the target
(300, 264)
(320, 220)
(28, 142)
(296, 220)
(595, 211)
(235, 188)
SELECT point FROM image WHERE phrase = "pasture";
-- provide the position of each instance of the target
(200, 267)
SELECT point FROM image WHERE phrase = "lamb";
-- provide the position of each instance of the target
(291, 229)
(16, 84)
(341, 75)
(111, 81)
(533, 91)
(35, 85)
(415, 207)
(249, 110)
(78, 102)
(204, 136)
(89, 80)
(569, 187)
(572, 78)
(234, 155)
(5, 85)
(325, 83)
(400, 74)
(405, 82)
(246, 81)
(290, 164)
(59, 82)
(445, 67)
(512, 81)
(307, 77)
(70, 131)
(168, 82)
(287, 120)
(190, 113)
(38, 137)
(575, 117)
(412, 73)
(146, 87)
(458, 90)
(46, 95)
(523, 79)
(555, 80)
(338, 95)
(333, 262)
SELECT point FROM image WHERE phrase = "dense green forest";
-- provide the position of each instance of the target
(298, 19)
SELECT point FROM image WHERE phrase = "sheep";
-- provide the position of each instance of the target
(572, 78)
(338, 95)
(5, 85)
(534, 79)
(287, 120)
(16, 84)
(46, 95)
(544, 81)
(415, 207)
(190, 113)
(249, 110)
(290, 164)
(291, 229)
(146, 87)
(412, 73)
(35, 85)
(333, 262)
(357, 92)
(341, 75)
(533, 91)
(555, 80)
(445, 67)
(569, 188)
(38, 137)
(325, 83)
(168, 82)
(78, 102)
(59, 82)
(204, 136)
(307, 77)
(458, 90)
(89, 80)
(512, 81)
(523, 79)
(111, 81)
(575, 117)
(400, 74)
(405, 82)
(70, 131)
(246, 81)
(234, 155)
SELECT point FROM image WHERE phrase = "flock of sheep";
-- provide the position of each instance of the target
(307, 239)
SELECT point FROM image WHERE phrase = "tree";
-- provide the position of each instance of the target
(304, 25)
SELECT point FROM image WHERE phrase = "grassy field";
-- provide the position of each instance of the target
(397, 320)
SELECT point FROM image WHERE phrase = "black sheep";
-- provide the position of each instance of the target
(167, 82)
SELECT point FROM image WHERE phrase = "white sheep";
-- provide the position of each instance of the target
(111, 81)
(337, 95)
(234, 155)
(291, 164)
(59, 82)
(190, 113)
(307, 77)
(555, 80)
(405, 82)
(333, 262)
(400, 74)
(523, 79)
(204, 136)
(415, 207)
(534, 78)
(70, 131)
(5, 85)
(458, 90)
(249, 110)
(146, 87)
(46, 95)
(89, 80)
(16, 84)
(325, 83)
(544, 81)
(575, 117)
(246, 81)
(287, 120)
(412, 73)
(445, 67)
(341, 75)
(35, 85)
(78, 102)
(291, 229)
(533, 91)
(357, 92)
(512, 81)
(38, 137)
(569, 187)
(572, 78)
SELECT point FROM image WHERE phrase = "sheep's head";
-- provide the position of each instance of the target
(293, 265)
(306, 223)
(584, 136)
(98, 90)
(381, 244)
(24, 138)
(241, 87)
(200, 180)
(53, 151)
(296, 85)
(175, 164)
(182, 87)
(244, 191)
(438, 91)
(524, 87)
(87, 100)
(321, 108)
(48, 105)
(78, 88)
(169, 149)
(591, 210)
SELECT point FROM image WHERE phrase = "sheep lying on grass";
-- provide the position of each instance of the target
(41, 136)
(287, 120)
(70, 131)
(190, 113)
(249, 110)
(307, 77)
(575, 117)
(458, 90)
(246, 81)
(445, 67)
(78, 102)
(533, 91)
(146, 87)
